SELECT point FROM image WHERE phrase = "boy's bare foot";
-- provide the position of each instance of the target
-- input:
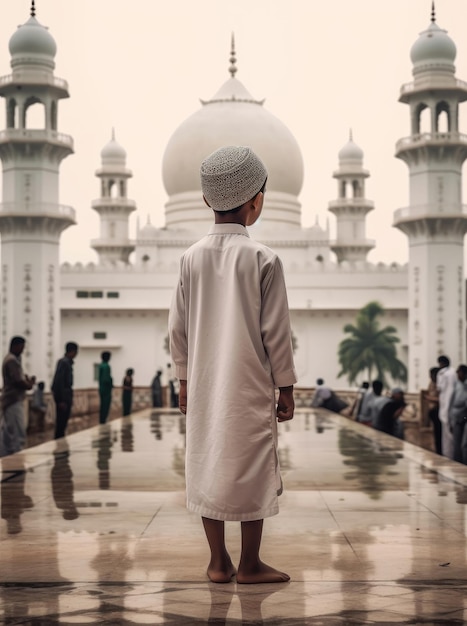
(261, 573)
(222, 572)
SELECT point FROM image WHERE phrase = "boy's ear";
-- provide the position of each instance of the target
(204, 198)
(257, 199)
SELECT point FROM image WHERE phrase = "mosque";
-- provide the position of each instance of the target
(120, 303)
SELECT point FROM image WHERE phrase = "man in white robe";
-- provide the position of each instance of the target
(445, 383)
(230, 341)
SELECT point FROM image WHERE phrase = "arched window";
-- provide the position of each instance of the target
(113, 189)
(34, 113)
(12, 114)
(53, 115)
(422, 120)
(356, 189)
(443, 117)
(343, 189)
(122, 189)
(112, 230)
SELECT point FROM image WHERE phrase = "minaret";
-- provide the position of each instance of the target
(113, 206)
(435, 220)
(31, 218)
(351, 206)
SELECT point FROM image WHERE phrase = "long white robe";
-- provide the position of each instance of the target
(230, 338)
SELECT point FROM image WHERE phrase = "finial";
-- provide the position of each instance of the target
(233, 58)
(433, 12)
(113, 133)
(33, 8)
(350, 135)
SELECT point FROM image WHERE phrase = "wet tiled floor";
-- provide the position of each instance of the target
(94, 529)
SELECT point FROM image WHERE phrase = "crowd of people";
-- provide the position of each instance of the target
(446, 398)
(16, 383)
(379, 410)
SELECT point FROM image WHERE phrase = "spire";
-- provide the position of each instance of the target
(233, 58)
(433, 12)
(33, 8)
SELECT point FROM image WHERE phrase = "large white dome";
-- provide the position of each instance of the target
(232, 117)
(433, 48)
(32, 44)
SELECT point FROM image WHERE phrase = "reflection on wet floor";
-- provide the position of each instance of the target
(94, 530)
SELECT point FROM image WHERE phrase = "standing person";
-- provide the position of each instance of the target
(105, 387)
(231, 345)
(366, 405)
(358, 402)
(62, 388)
(38, 406)
(127, 391)
(445, 383)
(15, 385)
(432, 399)
(458, 414)
(156, 389)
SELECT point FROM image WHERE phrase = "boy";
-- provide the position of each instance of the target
(231, 345)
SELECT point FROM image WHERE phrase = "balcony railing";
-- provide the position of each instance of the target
(431, 138)
(34, 78)
(47, 209)
(114, 202)
(36, 135)
(430, 211)
(433, 83)
(358, 202)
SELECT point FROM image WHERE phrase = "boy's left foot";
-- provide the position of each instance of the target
(261, 573)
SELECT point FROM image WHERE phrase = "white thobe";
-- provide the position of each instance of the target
(445, 383)
(230, 338)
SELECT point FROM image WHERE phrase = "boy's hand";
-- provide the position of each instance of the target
(182, 397)
(285, 404)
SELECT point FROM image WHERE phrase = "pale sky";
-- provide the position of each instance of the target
(322, 66)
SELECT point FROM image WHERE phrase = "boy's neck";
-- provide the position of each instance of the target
(229, 219)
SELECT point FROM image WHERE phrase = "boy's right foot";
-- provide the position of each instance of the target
(261, 573)
(221, 574)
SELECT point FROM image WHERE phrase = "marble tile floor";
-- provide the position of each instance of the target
(94, 530)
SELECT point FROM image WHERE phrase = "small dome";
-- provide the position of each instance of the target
(32, 40)
(350, 152)
(113, 153)
(148, 232)
(433, 46)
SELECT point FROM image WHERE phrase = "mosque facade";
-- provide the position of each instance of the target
(121, 302)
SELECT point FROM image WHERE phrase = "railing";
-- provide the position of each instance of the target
(433, 83)
(37, 209)
(36, 134)
(34, 78)
(113, 202)
(340, 202)
(430, 210)
(433, 138)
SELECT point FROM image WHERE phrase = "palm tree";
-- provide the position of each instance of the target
(370, 348)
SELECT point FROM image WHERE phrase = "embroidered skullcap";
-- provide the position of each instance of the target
(231, 176)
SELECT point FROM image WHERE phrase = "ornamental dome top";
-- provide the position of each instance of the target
(148, 231)
(433, 47)
(32, 43)
(113, 153)
(350, 152)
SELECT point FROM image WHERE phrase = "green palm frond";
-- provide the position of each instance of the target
(369, 349)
